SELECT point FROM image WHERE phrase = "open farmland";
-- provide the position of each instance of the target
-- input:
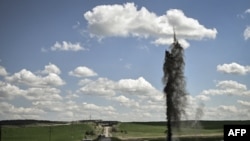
(72, 132)
(150, 130)
(153, 131)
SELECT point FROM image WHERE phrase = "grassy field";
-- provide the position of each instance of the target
(130, 130)
(153, 131)
(73, 132)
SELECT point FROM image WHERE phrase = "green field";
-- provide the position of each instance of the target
(73, 132)
(153, 131)
(149, 130)
(128, 130)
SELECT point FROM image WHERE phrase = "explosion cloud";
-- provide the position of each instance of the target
(175, 84)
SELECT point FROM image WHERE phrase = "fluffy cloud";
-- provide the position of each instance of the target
(84, 82)
(67, 46)
(247, 11)
(43, 94)
(100, 87)
(52, 80)
(44, 99)
(137, 95)
(202, 98)
(106, 87)
(9, 111)
(126, 20)
(51, 68)
(227, 112)
(82, 71)
(28, 78)
(51, 106)
(197, 109)
(34, 88)
(72, 110)
(223, 111)
(9, 91)
(231, 84)
(98, 111)
(71, 95)
(97, 108)
(233, 68)
(132, 99)
(188, 28)
(137, 86)
(244, 103)
(3, 71)
(124, 101)
(228, 87)
(230, 109)
(247, 33)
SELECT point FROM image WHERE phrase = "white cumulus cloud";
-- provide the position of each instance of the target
(126, 20)
(227, 112)
(106, 87)
(231, 84)
(122, 99)
(44, 98)
(90, 106)
(67, 46)
(139, 85)
(3, 71)
(51, 68)
(100, 87)
(29, 78)
(9, 111)
(247, 33)
(228, 87)
(9, 91)
(231, 109)
(202, 98)
(247, 11)
(244, 103)
(233, 68)
(43, 94)
(51, 106)
(82, 71)
(125, 101)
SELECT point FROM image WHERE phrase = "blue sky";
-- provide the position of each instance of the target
(67, 60)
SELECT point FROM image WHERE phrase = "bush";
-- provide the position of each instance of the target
(91, 133)
(114, 129)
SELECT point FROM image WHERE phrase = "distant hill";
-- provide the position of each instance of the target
(204, 123)
(21, 122)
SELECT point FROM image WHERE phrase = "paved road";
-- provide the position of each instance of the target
(106, 131)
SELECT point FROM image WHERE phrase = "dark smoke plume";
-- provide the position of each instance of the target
(175, 84)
